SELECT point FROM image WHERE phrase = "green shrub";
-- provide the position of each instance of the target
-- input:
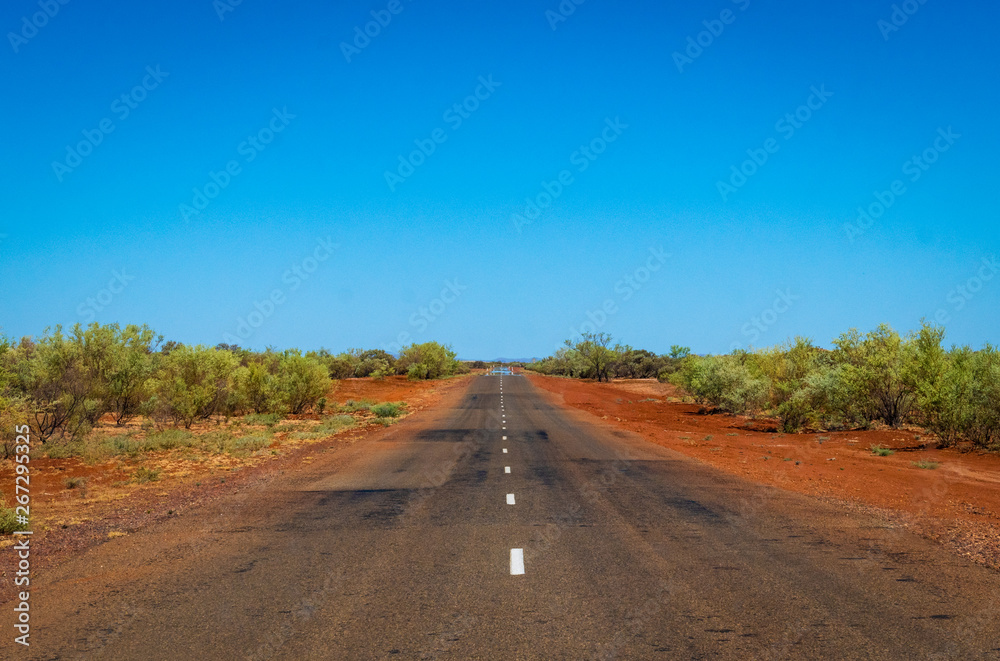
(877, 370)
(65, 449)
(429, 360)
(724, 382)
(8, 521)
(256, 388)
(418, 371)
(388, 409)
(966, 402)
(926, 465)
(193, 383)
(335, 423)
(352, 406)
(266, 419)
(328, 426)
(168, 439)
(880, 451)
(251, 443)
(144, 475)
(301, 382)
(123, 445)
(216, 441)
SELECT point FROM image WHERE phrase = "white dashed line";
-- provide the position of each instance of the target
(510, 499)
(505, 450)
(506, 469)
(505, 438)
(516, 562)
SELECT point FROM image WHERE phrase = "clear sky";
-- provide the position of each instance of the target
(577, 166)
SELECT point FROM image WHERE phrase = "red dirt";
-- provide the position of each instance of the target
(68, 521)
(957, 503)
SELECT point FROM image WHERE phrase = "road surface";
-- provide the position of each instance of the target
(403, 547)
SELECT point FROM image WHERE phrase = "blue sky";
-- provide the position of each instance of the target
(646, 143)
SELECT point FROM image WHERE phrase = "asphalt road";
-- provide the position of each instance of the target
(401, 548)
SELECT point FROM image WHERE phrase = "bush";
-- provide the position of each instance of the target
(725, 382)
(144, 475)
(327, 427)
(418, 371)
(255, 389)
(169, 439)
(250, 443)
(266, 419)
(926, 465)
(8, 520)
(388, 410)
(56, 381)
(335, 423)
(193, 383)
(352, 406)
(301, 382)
(429, 360)
(877, 372)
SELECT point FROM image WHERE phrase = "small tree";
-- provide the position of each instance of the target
(255, 388)
(429, 360)
(596, 353)
(55, 380)
(876, 369)
(193, 383)
(677, 351)
(301, 382)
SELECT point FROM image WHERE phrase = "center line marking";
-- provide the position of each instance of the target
(516, 562)
(505, 438)
(505, 450)
(510, 499)
(506, 469)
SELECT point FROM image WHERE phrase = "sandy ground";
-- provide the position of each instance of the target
(957, 503)
(66, 521)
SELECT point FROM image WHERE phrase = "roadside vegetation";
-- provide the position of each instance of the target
(867, 380)
(145, 395)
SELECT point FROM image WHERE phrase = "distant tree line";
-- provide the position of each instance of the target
(63, 383)
(594, 357)
(867, 379)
